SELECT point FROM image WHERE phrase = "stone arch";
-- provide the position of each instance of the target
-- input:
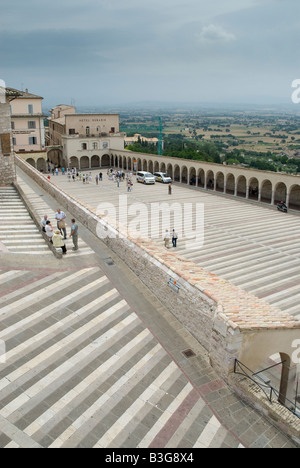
(145, 165)
(201, 178)
(156, 166)
(294, 197)
(162, 167)
(210, 180)
(74, 162)
(193, 177)
(129, 164)
(230, 184)
(31, 161)
(241, 188)
(220, 182)
(105, 160)
(184, 175)
(266, 191)
(84, 162)
(41, 165)
(55, 156)
(177, 173)
(280, 193)
(273, 343)
(150, 167)
(116, 160)
(253, 188)
(139, 164)
(120, 162)
(170, 170)
(95, 161)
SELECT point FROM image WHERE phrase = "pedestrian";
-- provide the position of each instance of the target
(100, 176)
(57, 240)
(74, 234)
(118, 181)
(63, 171)
(49, 230)
(56, 171)
(167, 239)
(61, 223)
(174, 238)
(170, 188)
(97, 180)
(44, 222)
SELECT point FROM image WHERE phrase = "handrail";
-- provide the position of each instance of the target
(268, 390)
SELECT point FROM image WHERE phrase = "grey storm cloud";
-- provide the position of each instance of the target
(170, 49)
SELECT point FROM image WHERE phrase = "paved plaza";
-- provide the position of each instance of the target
(92, 358)
(252, 246)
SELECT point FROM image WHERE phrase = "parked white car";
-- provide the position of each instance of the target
(145, 177)
(162, 177)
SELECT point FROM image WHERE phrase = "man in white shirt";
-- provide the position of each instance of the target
(61, 217)
(49, 230)
(44, 222)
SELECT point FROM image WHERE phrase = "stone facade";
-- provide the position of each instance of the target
(244, 183)
(7, 164)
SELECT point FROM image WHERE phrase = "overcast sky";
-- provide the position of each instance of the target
(125, 51)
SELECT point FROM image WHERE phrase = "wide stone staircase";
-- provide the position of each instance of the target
(18, 232)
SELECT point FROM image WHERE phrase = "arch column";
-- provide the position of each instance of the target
(273, 196)
(235, 188)
(287, 198)
(225, 184)
(247, 191)
(288, 382)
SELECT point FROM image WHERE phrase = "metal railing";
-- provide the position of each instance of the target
(271, 393)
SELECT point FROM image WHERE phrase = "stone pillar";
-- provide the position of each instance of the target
(7, 163)
(273, 197)
(288, 383)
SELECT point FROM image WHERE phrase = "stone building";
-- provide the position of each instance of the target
(27, 124)
(82, 140)
(7, 164)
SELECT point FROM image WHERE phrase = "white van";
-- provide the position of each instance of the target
(145, 177)
(162, 177)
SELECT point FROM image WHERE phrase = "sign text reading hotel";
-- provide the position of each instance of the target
(92, 120)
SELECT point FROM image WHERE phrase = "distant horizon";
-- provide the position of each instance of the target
(172, 106)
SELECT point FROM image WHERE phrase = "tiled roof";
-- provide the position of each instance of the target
(21, 94)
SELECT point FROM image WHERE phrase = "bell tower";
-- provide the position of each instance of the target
(7, 163)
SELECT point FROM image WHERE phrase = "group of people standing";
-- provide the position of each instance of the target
(59, 235)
